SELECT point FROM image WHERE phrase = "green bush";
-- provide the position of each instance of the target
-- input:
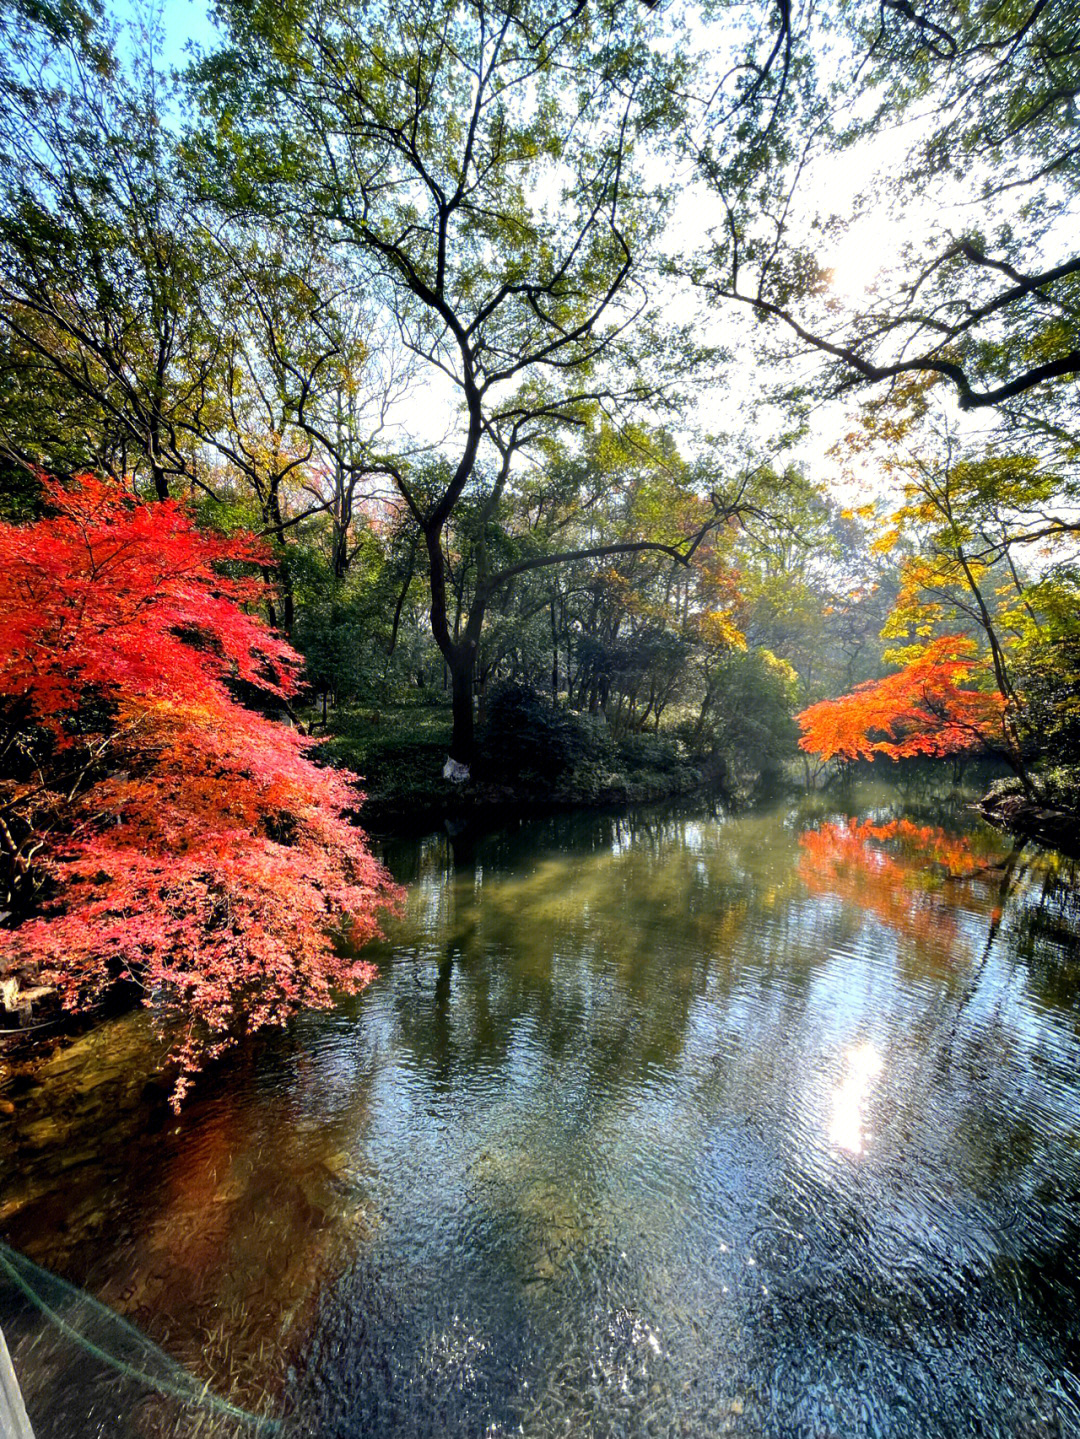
(658, 753)
(527, 738)
(1059, 786)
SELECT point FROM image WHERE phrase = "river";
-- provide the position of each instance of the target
(653, 1124)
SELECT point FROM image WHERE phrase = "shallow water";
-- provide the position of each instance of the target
(651, 1125)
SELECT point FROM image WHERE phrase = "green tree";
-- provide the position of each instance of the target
(481, 170)
(101, 256)
(970, 515)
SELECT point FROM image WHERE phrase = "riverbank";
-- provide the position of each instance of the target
(401, 753)
(1051, 818)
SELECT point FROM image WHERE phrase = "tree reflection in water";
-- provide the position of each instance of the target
(646, 1117)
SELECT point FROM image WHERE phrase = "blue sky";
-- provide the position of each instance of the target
(182, 21)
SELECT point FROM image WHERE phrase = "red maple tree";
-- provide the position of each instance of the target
(153, 830)
(923, 709)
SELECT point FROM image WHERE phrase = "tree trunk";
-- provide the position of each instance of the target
(271, 611)
(1015, 755)
(277, 521)
(462, 743)
(481, 698)
(554, 654)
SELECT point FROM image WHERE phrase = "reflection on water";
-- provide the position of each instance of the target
(651, 1125)
(863, 1065)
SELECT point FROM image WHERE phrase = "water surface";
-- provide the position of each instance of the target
(651, 1125)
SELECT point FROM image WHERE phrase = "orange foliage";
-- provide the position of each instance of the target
(921, 710)
(884, 870)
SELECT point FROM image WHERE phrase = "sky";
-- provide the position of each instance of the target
(184, 22)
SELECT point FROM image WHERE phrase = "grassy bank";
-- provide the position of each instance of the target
(400, 751)
(1050, 815)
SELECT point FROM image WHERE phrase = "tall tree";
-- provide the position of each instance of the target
(480, 167)
(985, 536)
(101, 256)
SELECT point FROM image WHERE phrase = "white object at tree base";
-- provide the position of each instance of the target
(455, 772)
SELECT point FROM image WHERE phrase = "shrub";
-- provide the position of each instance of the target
(527, 738)
(658, 753)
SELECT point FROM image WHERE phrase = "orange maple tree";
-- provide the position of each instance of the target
(923, 709)
(153, 830)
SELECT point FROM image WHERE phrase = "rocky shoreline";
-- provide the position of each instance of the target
(1027, 818)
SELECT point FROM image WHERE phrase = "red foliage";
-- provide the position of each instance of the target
(921, 710)
(186, 842)
(108, 594)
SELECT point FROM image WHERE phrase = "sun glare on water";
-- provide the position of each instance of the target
(863, 1065)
